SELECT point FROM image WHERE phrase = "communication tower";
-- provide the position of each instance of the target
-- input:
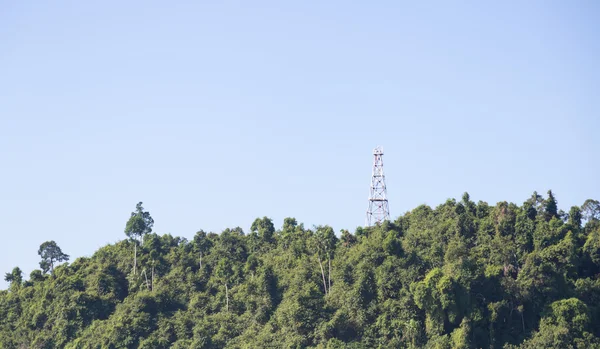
(379, 209)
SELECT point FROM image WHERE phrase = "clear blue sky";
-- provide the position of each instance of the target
(215, 113)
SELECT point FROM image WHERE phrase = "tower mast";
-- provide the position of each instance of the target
(379, 209)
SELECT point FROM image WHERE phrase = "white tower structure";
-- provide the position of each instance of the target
(379, 209)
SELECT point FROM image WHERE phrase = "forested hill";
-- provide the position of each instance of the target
(462, 275)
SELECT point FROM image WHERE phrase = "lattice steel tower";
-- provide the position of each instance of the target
(379, 209)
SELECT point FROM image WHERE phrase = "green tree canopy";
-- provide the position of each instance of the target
(139, 224)
(458, 275)
(15, 276)
(51, 254)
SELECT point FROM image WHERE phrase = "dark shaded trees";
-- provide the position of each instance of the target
(51, 254)
(15, 277)
(263, 231)
(591, 210)
(550, 206)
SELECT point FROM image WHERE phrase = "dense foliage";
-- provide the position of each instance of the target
(462, 275)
